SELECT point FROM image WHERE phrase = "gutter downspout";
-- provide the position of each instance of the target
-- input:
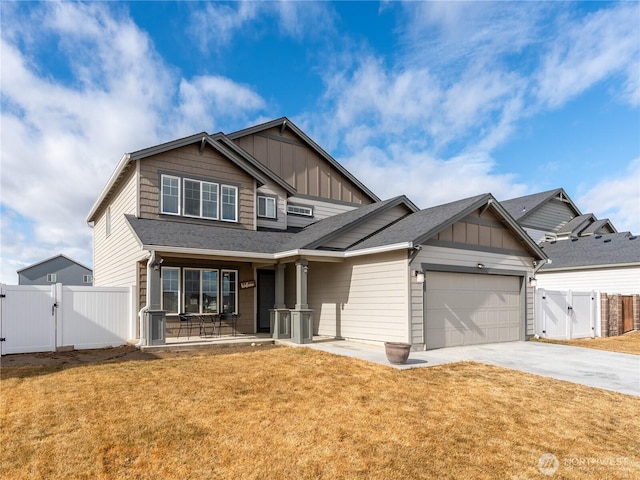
(546, 261)
(145, 309)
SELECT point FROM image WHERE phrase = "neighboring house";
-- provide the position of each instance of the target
(265, 224)
(58, 269)
(586, 254)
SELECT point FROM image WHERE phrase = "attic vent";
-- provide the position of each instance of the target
(607, 240)
(633, 237)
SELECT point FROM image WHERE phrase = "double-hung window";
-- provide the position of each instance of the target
(170, 195)
(229, 203)
(200, 199)
(266, 207)
(170, 289)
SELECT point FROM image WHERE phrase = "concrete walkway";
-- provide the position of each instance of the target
(618, 372)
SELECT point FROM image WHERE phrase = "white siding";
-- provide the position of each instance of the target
(621, 280)
(320, 210)
(115, 256)
(273, 190)
(367, 228)
(364, 298)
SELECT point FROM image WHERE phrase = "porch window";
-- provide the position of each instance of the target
(202, 290)
(170, 289)
(229, 291)
(170, 195)
(266, 207)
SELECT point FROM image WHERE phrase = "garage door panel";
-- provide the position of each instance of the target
(468, 309)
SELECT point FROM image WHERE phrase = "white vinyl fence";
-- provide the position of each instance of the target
(567, 314)
(46, 318)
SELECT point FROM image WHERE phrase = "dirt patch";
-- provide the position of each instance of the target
(108, 355)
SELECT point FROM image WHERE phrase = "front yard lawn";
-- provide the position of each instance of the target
(298, 413)
(627, 343)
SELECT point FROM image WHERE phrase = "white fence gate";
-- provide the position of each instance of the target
(45, 318)
(566, 315)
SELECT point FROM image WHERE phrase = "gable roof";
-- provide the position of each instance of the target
(284, 122)
(328, 228)
(592, 251)
(599, 226)
(423, 225)
(234, 154)
(55, 257)
(577, 225)
(521, 207)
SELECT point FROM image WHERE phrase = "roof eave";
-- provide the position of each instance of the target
(122, 165)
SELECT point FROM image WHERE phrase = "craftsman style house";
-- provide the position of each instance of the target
(264, 224)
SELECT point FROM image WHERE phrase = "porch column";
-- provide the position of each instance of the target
(155, 320)
(280, 285)
(301, 316)
(280, 315)
(302, 268)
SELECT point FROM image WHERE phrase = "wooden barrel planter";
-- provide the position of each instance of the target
(397, 352)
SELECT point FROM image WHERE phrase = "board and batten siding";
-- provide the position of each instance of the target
(459, 257)
(614, 280)
(188, 162)
(300, 166)
(115, 256)
(364, 298)
(321, 209)
(273, 190)
(367, 228)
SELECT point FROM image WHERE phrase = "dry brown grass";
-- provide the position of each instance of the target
(299, 413)
(627, 343)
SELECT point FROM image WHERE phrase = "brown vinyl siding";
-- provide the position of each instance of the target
(187, 162)
(482, 230)
(300, 166)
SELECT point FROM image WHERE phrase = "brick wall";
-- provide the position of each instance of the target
(611, 314)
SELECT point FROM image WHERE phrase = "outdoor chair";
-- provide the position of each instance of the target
(208, 320)
(185, 322)
(230, 320)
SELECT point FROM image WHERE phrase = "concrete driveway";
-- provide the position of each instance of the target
(618, 372)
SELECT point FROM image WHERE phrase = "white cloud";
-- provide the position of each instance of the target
(426, 180)
(205, 97)
(217, 23)
(60, 140)
(587, 51)
(616, 198)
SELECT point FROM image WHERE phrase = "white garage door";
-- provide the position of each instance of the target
(468, 309)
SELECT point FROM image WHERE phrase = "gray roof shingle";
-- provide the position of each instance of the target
(594, 250)
(415, 226)
(521, 206)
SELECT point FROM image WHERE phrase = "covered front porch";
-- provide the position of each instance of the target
(265, 298)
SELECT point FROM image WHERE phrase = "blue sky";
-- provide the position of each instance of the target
(435, 100)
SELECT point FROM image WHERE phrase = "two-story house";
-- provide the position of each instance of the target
(265, 224)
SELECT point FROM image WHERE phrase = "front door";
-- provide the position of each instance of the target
(266, 298)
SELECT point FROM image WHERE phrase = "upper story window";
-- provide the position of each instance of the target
(266, 207)
(170, 195)
(197, 198)
(229, 203)
(298, 210)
